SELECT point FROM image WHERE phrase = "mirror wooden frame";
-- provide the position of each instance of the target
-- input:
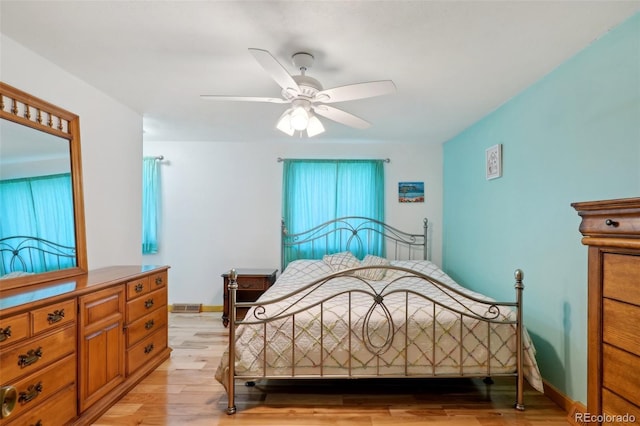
(22, 108)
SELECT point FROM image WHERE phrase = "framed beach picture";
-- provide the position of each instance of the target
(411, 192)
(494, 161)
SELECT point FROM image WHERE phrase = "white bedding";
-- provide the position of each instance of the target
(414, 329)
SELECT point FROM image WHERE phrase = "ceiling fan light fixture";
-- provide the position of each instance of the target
(315, 127)
(284, 123)
(299, 118)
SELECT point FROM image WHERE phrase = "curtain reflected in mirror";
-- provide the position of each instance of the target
(37, 227)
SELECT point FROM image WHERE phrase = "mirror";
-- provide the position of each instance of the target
(42, 231)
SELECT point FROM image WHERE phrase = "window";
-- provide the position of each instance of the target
(316, 191)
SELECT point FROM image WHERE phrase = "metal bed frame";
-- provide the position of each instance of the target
(490, 313)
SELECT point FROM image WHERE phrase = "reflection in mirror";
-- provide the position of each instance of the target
(36, 202)
(42, 230)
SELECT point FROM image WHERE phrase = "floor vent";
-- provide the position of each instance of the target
(186, 308)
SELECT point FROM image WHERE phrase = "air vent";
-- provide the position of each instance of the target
(187, 308)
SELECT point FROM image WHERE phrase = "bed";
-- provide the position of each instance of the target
(339, 311)
(24, 255)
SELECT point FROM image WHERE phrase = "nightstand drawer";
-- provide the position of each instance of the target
(253, 283)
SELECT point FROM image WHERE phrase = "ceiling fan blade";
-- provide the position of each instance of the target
(341, 116)
(356, 91)
(275, 69)
(244, 99)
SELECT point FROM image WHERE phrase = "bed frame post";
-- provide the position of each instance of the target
(425, 251)
(233, 286)
(519, 275)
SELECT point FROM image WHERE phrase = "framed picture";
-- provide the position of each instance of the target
(411, 192)
(494, 161)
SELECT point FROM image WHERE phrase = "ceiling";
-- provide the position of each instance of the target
(453, 62)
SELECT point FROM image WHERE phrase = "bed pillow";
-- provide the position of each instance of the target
(340, 261)
(373, 274)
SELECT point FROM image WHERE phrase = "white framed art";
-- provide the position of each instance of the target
(494, 161)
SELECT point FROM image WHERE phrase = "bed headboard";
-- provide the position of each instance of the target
(360, 235)
(23, 254)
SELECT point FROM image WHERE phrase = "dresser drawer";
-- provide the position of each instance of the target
(13, 329)
(612, 404)
(145, 326)
(620, 325)
(141, 306)
(137, 288)
(621, 277)
(42, 385)
(621, 373)
(35, 354)
(614, 224)
(145, 350)
(58, 410)
(54, 315)
(158, 280)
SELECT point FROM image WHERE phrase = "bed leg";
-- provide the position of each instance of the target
(519, 275)
(487, 381)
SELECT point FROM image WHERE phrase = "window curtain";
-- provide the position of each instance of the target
(40, 207)
(150, 204)
(316, 191)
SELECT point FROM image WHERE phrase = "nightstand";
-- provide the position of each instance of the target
(251, 284)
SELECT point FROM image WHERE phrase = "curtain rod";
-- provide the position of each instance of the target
(159, 157)
(386, 160)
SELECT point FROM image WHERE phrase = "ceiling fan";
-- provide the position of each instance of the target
(307, 96)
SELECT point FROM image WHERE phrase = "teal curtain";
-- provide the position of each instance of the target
(316, 191)
(150, 204)
(39, 207)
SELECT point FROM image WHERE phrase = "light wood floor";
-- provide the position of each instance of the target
(183, 391)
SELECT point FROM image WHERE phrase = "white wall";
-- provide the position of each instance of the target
(222, 204)
(111, 138)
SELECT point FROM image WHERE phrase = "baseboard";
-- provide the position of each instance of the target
(577, 412)
(558, 397)
(203, 308)
(572, 408)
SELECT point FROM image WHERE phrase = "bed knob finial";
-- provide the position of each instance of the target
(519, 275)
(233, 275)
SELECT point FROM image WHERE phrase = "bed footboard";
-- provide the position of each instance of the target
(435, 333)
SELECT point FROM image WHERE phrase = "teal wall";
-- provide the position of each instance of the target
(572, 136)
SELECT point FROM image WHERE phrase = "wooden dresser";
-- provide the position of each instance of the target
(611, 229)
(69, 349)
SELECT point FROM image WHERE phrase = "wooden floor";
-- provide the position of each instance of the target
(183, 391)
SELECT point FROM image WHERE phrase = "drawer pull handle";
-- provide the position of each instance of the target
(148, 303)
(56, 316)
(8, 398)
(31, 357)
(148, 348)
(139, 287)
(5, 333)
(32, 392)
(613, 223)
(38, 423)
(149, 325)
(159, 281)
